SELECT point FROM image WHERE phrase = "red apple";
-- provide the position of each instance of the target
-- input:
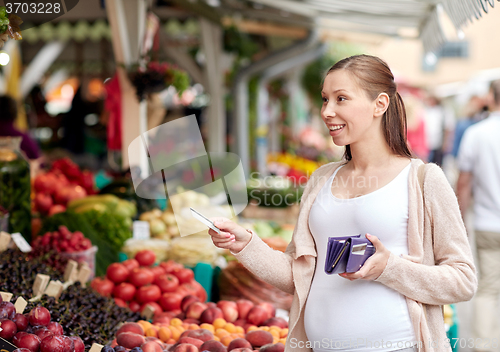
(244, 306)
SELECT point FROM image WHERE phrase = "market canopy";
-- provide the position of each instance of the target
(387, 17)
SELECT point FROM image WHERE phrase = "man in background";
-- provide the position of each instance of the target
(439, 127)
(479, 165)
(8, 113)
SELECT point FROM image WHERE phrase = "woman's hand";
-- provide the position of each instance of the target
(232, 236)
(374, 266)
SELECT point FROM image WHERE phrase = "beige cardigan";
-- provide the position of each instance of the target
(438, 270)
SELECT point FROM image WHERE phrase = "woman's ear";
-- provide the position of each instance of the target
(381, 104)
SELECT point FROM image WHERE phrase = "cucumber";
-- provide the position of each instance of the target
(91, 206)
(108, 200)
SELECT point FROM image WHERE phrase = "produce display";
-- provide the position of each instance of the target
(35, 331)
(106, 203)
(162, 225)
(79, 310)
(108, 233)
(136, 284)
(221, 327)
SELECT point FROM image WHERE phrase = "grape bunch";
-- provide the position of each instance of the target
(4, 19)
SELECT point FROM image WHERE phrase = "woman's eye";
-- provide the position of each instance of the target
(325, 100)
(341, 99)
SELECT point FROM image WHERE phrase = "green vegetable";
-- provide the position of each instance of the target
(15, 188)
(111, 227)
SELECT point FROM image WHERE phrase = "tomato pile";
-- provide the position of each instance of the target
(136, 283)
(63, 183)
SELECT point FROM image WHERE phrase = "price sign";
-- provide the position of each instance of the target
(21, 242)
(141, 230)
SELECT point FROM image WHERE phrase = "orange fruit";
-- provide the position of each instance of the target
(193, 327)
(240, 329)
(145, 325)
(152, 331)
(209, 327)
(252, 328)
(275, 333)
(275, 340)
(283, 341)
(229, 327)
(265, 328)
(175, 322)
(226, 340)
(221, 333)
(171, 342)
(284, 332)
(176, 332)
(216, 338)
(164, 334)
(219, 323)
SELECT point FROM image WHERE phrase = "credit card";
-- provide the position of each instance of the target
(204, 220)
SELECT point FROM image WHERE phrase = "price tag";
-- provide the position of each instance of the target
(21, 242)
(54, 289)
(6, 296)
(84, 274)
(20, 305)
(148, 312)
(96, 348)
(40, 284)
(4, 241)
(71, 272)
(6, 346)
(141, 230)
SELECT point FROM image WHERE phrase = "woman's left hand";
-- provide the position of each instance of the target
(374, 266)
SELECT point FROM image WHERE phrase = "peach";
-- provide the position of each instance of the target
(130, 327)
(244, 306)
(277, 347)
(200, 334)
(257, 315)
(240, 322)
(239, 343)
(211, 305)
(195, 309)
(187, 301)
(229, 310)
(190, 321)
(277, 321)
(151, 346)
(259, 338)
(130, 340)
(185, 347)
(191, 340)
(269, 307)
(213, 346)
(210, 314)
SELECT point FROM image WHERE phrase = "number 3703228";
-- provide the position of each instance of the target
(33, 7)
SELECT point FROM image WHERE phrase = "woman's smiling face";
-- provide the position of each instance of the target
(347, 111)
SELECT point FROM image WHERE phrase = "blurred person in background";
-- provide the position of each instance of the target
(479, 165)
(476, 110)
(416, 127)
(439, 126)
(8, 113)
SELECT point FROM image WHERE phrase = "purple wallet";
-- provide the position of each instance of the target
(347, 254)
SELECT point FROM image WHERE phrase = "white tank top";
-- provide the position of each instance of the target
(359, 315)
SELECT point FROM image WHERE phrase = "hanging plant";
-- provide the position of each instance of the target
(155, 77)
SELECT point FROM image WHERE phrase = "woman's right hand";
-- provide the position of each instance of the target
(232, 236)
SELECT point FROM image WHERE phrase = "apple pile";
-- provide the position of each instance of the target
(136, 283)
(62, 241)
(34, 332)
(56, 188)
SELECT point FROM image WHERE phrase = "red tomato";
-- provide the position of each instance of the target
(157, 271)
(167, 282)
(188, 289)
(200, 291)
(150, 293)
(171, 266)
(154, 305)
(184, 275)
(131, 264)
(171, 301)
(117, 273)
(124, 291)
(120, 302)
(103, 286)
(141, 277)
(146, 257)
(134, 306)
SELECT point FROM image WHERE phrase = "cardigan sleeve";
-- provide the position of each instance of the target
(272, 266)
(453, 277)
